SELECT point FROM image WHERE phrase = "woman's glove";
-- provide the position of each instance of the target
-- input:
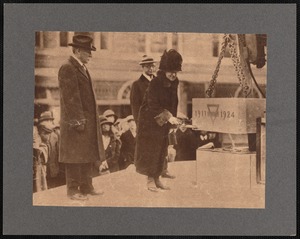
(174, 120)
(103, 166)
(80, 128)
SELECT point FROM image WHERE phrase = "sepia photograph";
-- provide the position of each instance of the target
(149, 119)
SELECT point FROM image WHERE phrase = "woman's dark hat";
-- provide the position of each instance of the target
(170, 61)
(47, 115)
(83, 41)
(147, 60)
(103, 120)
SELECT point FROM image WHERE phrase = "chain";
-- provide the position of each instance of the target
(213, 80)
(227, 40)
(241, 37)
(237, 65)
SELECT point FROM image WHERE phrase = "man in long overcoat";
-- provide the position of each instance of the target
(139, 87)
(137, 93)
(81, 144)
(157, 114)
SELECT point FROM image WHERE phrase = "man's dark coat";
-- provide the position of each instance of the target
(138, 90)
(78, 106)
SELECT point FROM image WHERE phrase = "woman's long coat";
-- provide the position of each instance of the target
(159, 104)
(78, 106)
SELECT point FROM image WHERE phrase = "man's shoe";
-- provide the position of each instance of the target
(78, 196)
(167, 175)
(96, 193)
(151, 185)
(160, 185)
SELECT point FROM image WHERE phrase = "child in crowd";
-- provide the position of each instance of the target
(112, 147)
(128, 144)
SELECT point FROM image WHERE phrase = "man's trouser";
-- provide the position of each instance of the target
(79, 178)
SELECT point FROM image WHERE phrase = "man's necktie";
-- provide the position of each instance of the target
(86, 70)
(84, 67)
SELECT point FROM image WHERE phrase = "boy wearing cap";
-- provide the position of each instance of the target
(80, 133)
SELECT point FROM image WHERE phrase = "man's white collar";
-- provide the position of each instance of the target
(147, 76)
(77, 60)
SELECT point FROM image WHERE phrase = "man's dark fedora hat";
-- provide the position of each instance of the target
(83, 41)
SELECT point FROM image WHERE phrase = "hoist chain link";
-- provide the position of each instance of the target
(213, 80)
(228, 40)
(237, 65)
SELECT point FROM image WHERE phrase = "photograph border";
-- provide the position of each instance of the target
(278, 21)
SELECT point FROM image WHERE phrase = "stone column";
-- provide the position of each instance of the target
(51, 39)
(169, 41)
(70, 36)
(180, 43)
(41, 40)
(110, 39)
(182, 98)
(97, 40)
(148, 43)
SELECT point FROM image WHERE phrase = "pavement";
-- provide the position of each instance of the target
(126, 188)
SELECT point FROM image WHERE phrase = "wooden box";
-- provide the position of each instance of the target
(227, 115)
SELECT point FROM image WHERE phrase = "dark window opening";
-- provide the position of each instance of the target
(63, 37)
(37, 39)
(104, 40)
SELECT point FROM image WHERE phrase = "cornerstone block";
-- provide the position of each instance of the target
(228, 115)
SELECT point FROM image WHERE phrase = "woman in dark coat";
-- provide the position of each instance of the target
(156, 116)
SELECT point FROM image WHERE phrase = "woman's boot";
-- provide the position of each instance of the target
(160, 185)
(151, 184)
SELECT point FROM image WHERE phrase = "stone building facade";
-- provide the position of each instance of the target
(114, 66)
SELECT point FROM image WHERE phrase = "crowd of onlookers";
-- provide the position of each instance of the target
(47, 171)
(118, 136)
